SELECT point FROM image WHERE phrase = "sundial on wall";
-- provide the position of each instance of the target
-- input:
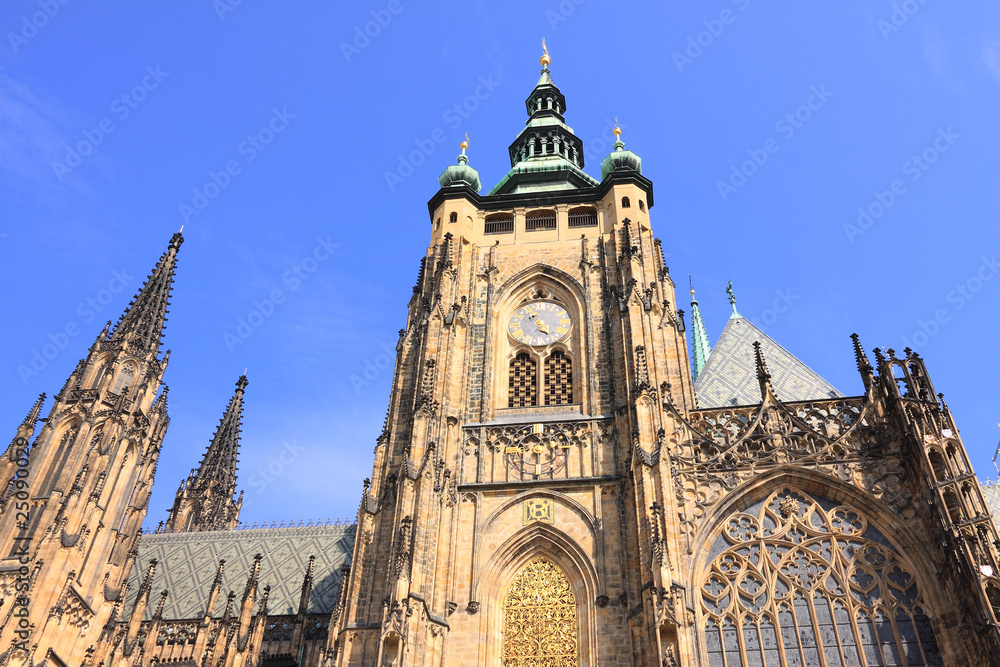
(532, 451)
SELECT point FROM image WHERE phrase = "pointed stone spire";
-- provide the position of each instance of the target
(213, 593)
(206, 501)
(702, 348)
(144, 320)
(864, 366)
(27, 428)
(307, 584)
(763, 374)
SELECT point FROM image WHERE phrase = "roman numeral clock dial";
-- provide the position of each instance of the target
(539, 323)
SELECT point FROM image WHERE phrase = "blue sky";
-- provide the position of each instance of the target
(300, 153)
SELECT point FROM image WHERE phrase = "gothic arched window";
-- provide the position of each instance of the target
(938, 465)
(125, 377)
(522, 382)
(558, 380)
(539, 618)
(797, 580)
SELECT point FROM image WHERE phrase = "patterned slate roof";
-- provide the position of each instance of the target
(187, 563)
(730, 375)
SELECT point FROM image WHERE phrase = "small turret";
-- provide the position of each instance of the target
(620, 159)
(461, 174)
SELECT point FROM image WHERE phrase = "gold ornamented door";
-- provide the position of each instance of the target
(540, 620)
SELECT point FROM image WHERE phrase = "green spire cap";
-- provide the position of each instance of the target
(619, 158)
(461, 173)
(702, 348)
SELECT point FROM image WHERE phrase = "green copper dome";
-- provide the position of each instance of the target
(619, 158)
(460, 174)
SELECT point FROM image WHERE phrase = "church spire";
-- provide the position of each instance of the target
(702, 348)
(143, 322)
(546, 155)
(206, 500)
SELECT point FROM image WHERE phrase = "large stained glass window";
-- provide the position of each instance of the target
(539, 618)
(798, 580)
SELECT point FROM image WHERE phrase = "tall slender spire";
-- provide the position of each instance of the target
(144, 319)
(206, 500)
(702, 348)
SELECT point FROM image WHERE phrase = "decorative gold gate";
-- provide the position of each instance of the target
(539, 618)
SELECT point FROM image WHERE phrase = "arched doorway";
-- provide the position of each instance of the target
(539, 618)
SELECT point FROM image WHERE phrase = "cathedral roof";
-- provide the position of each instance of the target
(729, 377)
(188, 562)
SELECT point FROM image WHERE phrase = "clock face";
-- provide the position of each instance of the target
(539, 323)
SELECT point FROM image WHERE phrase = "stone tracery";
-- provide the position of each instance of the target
(800, 580)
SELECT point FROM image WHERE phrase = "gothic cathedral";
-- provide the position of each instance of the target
(563, 479)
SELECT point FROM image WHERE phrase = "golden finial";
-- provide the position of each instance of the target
(545, 60)
(617, 131)
(464, 144)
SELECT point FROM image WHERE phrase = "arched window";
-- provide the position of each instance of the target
(539, 618)
(626, 203)
(804, 582)
(523, 382)
(582, 217)
(453, 217)
(125, 377)
(952, 505)
(499, 223)
(993, 595)
(63, 451)
(558, 379)
(642, 205)
(537, 220)
(938, 465)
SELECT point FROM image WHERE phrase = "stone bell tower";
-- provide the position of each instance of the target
(75, 496)
(519, 476)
